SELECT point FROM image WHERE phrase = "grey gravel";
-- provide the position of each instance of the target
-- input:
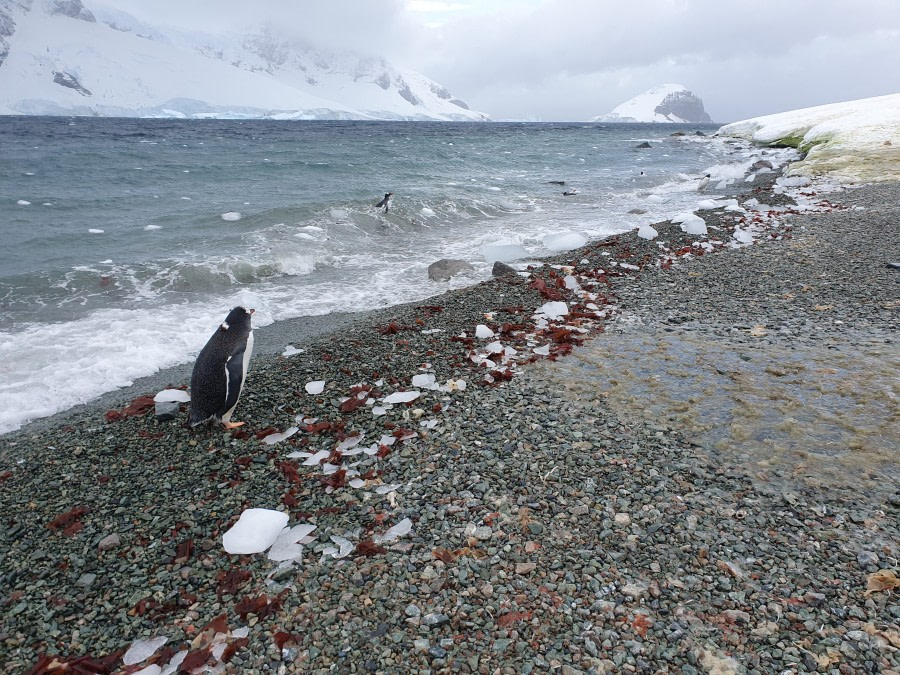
(552, 531)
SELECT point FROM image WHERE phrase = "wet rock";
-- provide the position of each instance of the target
(444, 269)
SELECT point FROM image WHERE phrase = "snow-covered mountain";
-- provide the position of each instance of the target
(59, 57)
(665, 103)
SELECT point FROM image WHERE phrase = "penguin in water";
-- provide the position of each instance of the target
(386, 202)
(221, 369)
(703, 183)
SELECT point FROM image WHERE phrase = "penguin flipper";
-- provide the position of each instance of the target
(234, 376)
(381, 203)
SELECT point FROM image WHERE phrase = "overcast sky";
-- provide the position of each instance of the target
(573, 59)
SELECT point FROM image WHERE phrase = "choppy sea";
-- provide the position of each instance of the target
(126, 241)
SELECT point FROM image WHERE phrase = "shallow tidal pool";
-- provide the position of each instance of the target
(826, 415)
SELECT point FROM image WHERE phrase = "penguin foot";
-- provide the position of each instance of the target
(233, 425)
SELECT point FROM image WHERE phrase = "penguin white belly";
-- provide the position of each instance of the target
(248, 352)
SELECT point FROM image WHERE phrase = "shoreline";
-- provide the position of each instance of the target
(550, 531)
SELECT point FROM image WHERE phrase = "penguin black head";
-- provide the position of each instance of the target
(239, 316)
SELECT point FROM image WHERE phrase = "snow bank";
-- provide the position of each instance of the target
(854, 141)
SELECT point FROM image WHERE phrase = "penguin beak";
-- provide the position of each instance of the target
(252, 312)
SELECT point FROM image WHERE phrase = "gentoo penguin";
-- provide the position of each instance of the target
(703, 183)
(385, 202)
(221, 369)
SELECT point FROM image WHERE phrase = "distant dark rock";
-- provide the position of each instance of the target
(683, 105)
(71, 8)
(699, 133)
(556, 182)
(638, 212)
(678, 133)
(70, 81)
(443, 269)
(761, 164)
(501, 269)
(643, 146)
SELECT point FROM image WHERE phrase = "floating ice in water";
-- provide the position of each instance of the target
(254, 531)
(552, 310)
(153, 227)
(23, 202)
(564, 241)
(503, 252)
(402, 397)
(428, 213)
(647, 232)
(425, 381)
(272, 439)
(483, 332)
(316, 387)
(655, 199)
(291, 350)
(304, 235)
(95, 231)
(743, 236)
(231, 215)
(141, 650)
(286, 545)
(398, 530)
(167, 395)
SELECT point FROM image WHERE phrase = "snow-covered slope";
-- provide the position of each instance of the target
(855, 141)
(59, 57)
(665, 103)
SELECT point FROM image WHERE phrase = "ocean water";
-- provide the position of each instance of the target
(125, 242)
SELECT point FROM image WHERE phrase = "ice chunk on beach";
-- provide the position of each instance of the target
(425, 381)
(167, 395)
(743, 236)
(542, 351)
(286, 545)
(345, 546)
(691, 223)
(402, 397)
(231, 216)
(398, 530)
(503, 252)
(254, 531)
(708, 204)
(314, 459)
(647, 232)
(316, 387)
(152, 669)
(291, 350)
(483, 332)
(141, 650)
(272, 439)
(564, 241)
(552, 310)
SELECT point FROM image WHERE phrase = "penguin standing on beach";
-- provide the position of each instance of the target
(703, 183)
(221, 369)
(386, 202)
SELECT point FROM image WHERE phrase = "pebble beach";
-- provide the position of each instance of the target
(552, 504)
